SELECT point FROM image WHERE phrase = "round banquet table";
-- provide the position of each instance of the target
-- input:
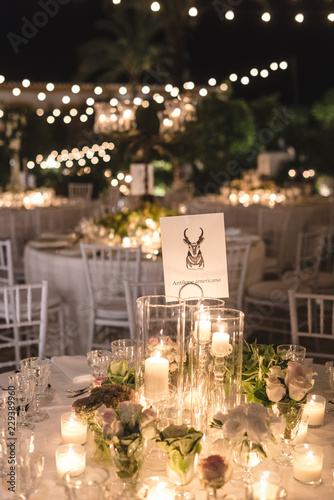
(65, 369)
(63, 269)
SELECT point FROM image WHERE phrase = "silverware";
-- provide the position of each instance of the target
(77, 390)
(76, 395)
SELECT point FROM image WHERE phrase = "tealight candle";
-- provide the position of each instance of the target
(265, 490)
(307, 463)
(159, 488)
(156, 377)
(315, 409)
(69, 456)
(72, 429)
(220, 342)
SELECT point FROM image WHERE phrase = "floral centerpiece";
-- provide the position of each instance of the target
(249, 428)
(182, 445)
(125, 429)
(119, 372)
(267, 378)
(279, 384)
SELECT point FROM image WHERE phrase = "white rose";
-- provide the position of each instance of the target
(258, 430)
(275, 389)
(299, 387)
(276, 371)
(257, 409)
(234, 428)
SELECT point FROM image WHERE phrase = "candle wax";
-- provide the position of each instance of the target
(307, 468)
(73, 432)
(315, 412)
(220, 342)
(156, 377)
(203, 330)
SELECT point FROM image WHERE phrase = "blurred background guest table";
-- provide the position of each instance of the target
(60, 263)
(72, 372)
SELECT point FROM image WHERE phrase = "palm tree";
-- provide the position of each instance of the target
(127, 46)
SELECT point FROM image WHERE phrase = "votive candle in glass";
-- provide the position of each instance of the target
(307, 463)
(265, 490)
(69, 456)
(159, 488)
(315, 409)
(73, 431)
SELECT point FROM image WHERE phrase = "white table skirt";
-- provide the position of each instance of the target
(48, 438)
(65, 276)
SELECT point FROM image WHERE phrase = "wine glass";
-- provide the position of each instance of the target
(29, 469)
(98, 362)
(292, 414)
(247, 456)
(292, 352)
(24, 388)
(39, 369)
(329, 367)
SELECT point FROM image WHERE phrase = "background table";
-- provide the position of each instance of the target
(65, 275)
(48, 438)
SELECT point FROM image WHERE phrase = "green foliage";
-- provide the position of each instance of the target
(120, 373)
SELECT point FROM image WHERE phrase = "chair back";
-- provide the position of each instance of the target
(309, 250)
(135, 289)
(79, 190)
(272, 227)
(24, 319)
(312, 317)
(6, 264)
(237, 257)
(105, 269)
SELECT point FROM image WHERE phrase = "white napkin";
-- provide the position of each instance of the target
(74, 367)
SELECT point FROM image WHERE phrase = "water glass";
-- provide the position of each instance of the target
(91, 484)
(123, 349)
(37, 368)
(329, 367)
(98, 362)
(23, 386)
(28, 473)
(292, 352)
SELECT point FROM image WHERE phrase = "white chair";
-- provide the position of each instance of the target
(105, 269)
(272, 227)
(237, 257)
(269, 298)
(80, 190)
(20, 327)
(54, 303)
(135, 289)
(312, 317)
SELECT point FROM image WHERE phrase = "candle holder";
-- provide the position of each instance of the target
(69, 456)
(73, 430)
(160, 360)
(219, 369)
(307, 464)
(315, 409)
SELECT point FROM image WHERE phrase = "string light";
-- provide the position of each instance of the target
(229, 15)
(266, 17)
(299, 18)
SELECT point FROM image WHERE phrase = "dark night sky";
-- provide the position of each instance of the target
(217, 47)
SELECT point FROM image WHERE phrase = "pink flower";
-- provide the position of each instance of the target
(153, 341)
(275, 389)
(98, 381)
(213, 470)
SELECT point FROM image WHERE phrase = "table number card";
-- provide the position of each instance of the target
(193, 250)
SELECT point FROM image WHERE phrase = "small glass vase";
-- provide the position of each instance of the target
(247, 456)
(181, 469)
(292, 413)
(128, 457)
(101, 454)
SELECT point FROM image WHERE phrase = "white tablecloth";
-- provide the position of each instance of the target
(48, 438)
(65, 275)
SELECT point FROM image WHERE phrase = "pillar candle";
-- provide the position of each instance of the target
(220, 342)
(203, 330)
(315, 409)
(156, 377)
(307, 463)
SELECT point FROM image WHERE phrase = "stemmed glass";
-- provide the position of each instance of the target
(98, 362)
(247, 456)
(91, 484)
(292, 414)
(24, 387)
(28, 469)
(329, 367)
(39, 369)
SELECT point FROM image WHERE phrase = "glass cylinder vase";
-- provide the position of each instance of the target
(160, 355)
